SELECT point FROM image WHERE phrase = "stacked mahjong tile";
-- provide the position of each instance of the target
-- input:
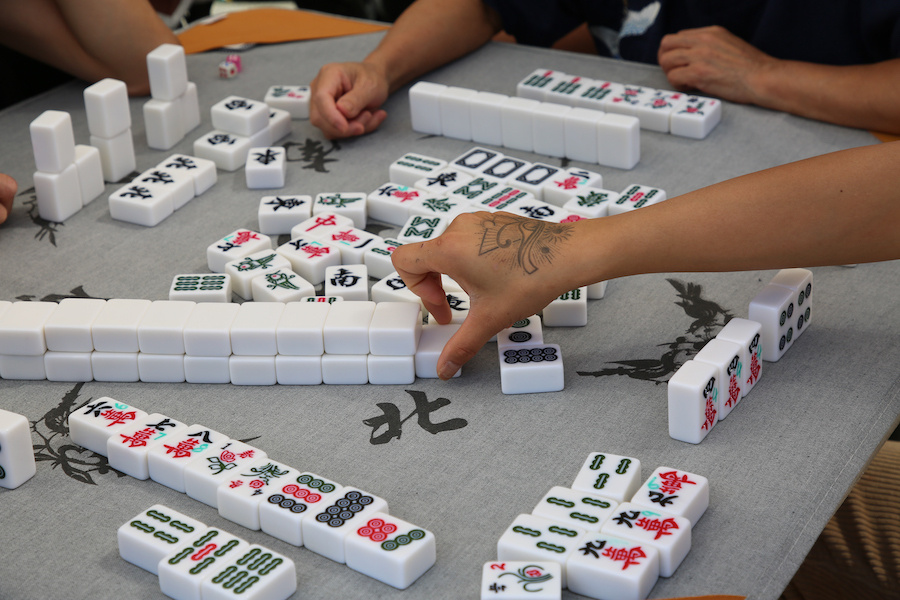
(255, 343)
(158, 192)
(610, 536)
(68, 176)
(657, 110)
(526, 124)
(173, 109)
(343, 523)
(241, 125)
(707, 388)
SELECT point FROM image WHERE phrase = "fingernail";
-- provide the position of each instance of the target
(448, 370)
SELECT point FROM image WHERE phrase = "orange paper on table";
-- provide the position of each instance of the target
(270, 26)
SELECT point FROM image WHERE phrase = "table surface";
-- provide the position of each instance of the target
(778, 467)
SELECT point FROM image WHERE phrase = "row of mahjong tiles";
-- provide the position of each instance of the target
(248, 488)
(255, 343)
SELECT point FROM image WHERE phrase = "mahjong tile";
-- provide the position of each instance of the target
(277, 215)
(411, 167)
(346, 328)
(675, 492)
(349, 281)
(669, 534)
(568, 184)
(566, 90)
(567, 310)
(265, 168)
(68, 328)
(258, 573)
(160, 368)
(431, 343)
(201, 287)
(591, 202)
(239, 115)
(391, 370)
(138, 204)
(622, 568)
(609, 475)
(425, 106)
(16, 451)
(521, 580)
(535, 178)
(538, 82)
(693, 401)
(127, 448)
(325, 532)
(244, 269)
(533, 208)
(253, 331)
(207, 331)
(575, 507)
(298, 370)
(166, 462)
(419, 228)
(531, 368)
(234, 246)
(300, 328)
(456, 122)
(292, 98)
(115, 329)
(351, 241)
(149, 536)
(536, 538)
(627, 100)
(636, 196)
(501, 198)
(161, 330)
(392, 288)
(390, 203)
(485, 110)
(93, 423)
(395, 328)
(747, 334)
(310, 257)
(618, 141)
(281, 285)
(548, 129)
(202, 477)
(377, 257)
(503, 168)
(252, 370)
(695, 117)
(202, 171)
(726, 357)
(390, 550)
(239, 496)
(284, 507)
(522, 332)
(477, 189)
(227, 150)
(162, 181)
(189, 563)
(775, 310)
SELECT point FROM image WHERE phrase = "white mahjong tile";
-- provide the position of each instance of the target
(68, 328)
(239, 115)
(566, 90)
(16, 451)
(521, 580)
(392, 288)
(161, 330)
(693, 401)
(581, 134)
(202, 477)
(310, 257)
(390, 203)
(391, 370)
(669, 534)
(227, 150)
(346, 327)
(351, 242)
(533, 208)
(538, 82)
(655, 112)
(567, 310)
(485, 109)
(477, 189)
(594, 95)
(726, 357)
(420, 228)
(300, 329)
(349, 281)
(244, 270)
(695, 117)
(535, 178)
(522, 332)
(537, 538)
(395, 328)
(127, 448)
(240, 495)
(390, 550)
(591, 202)
(636, 196)
(161, 180)
(207, 331)
(568, 184)
(201, 287)
(474, 160)
(411, 167)
(93, 423)
(202, 171)
(166, 462)
(273, 576)
(747, 334)
(137, 203)
(609, 475)
(548, 128)
(184, 569)
(234, 246)
(575, 507)
(531, 368)
(284, 507)
(622, 568)
(252, 370)
(292, 98)
(431, 343)
(501, 198)
(425, 107)
(281, 285)
(68, 366)
(266, 167)
(160, 368)
(377, 257)
(456, 122)
(149, 536)
(325, 531)
(253, 331)
(627, 100)
(675, 492)
(115, 328)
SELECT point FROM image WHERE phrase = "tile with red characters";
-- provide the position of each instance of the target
(521, 580)
(241, 493)
(746, 334)
(626, 101)
(203, 477)
(390, 202)
(669, 534)
(655, 112)
(675, 492)
(92, 424)
(695, 117)
(292, 98)
(621, 568)
(570, 183)
(726, 357)
(636, 196)
(235, 246)
(166, 462)
(693, 401)
(127, 450)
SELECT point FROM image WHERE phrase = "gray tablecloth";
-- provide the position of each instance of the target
(778, 466)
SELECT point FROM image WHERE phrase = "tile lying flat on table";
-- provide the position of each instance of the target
(636, 196)
(568, 184)
(127, 449)
(349, 281)
(575, 507)
(149, 536)
(390, 550)
(92, 424)
(351, 205)
(203, 477)
(411, 167)
(669, 534)
(538, 83)
(537, 580)
(141, 205)
(245, 269)
(329, 526)
(189, 564)
(241, 494)
(591, 203)
(292, 98)
(202, 171)
(277, 215)
(227, 150)
(280, 285)
(310, 257)
(536, 538)
(272, 576)
(684, 494)
(610, 476)
(622, 568)
(695, 117)
(166, 463)
(284, 508)
(201, 287)
(531, 368)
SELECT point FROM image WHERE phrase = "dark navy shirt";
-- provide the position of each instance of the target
(837, 32)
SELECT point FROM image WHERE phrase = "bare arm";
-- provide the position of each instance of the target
(90, 39)
(346, 97)
(838, 208)
(714, 61)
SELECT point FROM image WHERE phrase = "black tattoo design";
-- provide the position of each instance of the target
(529, 243)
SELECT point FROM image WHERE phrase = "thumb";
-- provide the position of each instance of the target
(472, 335)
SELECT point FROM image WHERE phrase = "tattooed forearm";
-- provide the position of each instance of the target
(526, 244)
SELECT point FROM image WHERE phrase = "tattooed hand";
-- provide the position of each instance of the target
(511, 267)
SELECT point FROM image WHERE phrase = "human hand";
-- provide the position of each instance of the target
(8, 187)
(345, 99)
(511, 268)
(716, 62)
